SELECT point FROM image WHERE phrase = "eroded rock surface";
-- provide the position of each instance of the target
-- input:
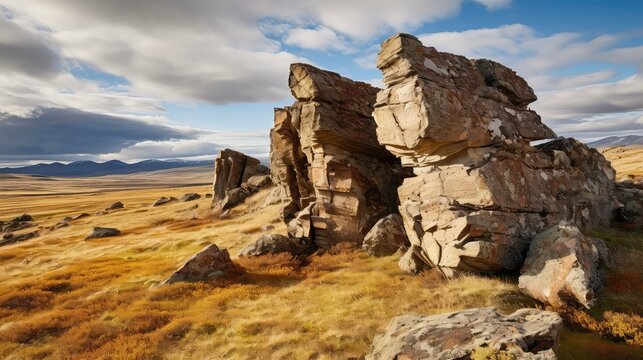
(337, 180)
(386, 237)
(236, 176)
(274, 244)
(209, 263)
(480, 191)
(561, 267)
(525, 334)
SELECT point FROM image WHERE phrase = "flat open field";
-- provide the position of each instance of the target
(62, 297)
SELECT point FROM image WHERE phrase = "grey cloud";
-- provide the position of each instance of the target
(25, 52)
(68, 131)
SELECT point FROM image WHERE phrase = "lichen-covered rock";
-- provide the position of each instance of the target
(103, 232)
(480, 191)
(232, 170)
(525, 334)
(561, 267)
(325, 154)
(209, 263)
(274, 244)
(386, 236)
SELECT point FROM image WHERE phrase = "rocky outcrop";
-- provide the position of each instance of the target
(210, 263)
(480, 191)
(631, 197)
(386, 237)
(275, 244)
(103, 232)
(337, 180)
(10, 238)
(525, 334)
(561, 267)
(232, 173)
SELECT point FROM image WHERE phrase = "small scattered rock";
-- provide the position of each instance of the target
(10, 238)
(80, 216)
(61, 224)
(190, 197)
(411, 263)
(23, 218)
(525, 334)
(208, 195)
(101, 232)
(209, 263)
(562, 267)
(164, 200)
(116, 205)
(267, 227)
(100, 213)
(275, 243)
(386, 236)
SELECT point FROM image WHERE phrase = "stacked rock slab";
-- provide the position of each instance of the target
(231, 170)
(480, 191)
(336, 178)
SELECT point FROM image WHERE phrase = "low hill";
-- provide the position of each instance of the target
(92, 168)
(617, 141)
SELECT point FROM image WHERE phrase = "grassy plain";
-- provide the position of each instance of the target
(62, 297)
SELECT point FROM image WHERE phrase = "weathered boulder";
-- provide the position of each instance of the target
(480, 191)
(190, 197)
(325, 154)
(103, 232)
(561, 267)
(411, 263)
(209, 263)
(163, 200)
(116, 205)
(274, 244)
(232, 170)
(10, 238)
(525, 334)
(631, 197)
(386, 236)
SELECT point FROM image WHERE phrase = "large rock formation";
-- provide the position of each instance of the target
(470, 334)
(232, 170)
(337, 180)
(561, 267)
(480, 191)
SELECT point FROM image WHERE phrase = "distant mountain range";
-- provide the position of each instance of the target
(91, 168)
(617, 141)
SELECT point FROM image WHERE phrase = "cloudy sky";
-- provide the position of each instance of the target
(139, 79)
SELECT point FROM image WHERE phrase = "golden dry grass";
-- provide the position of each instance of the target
(626, 160)
(62, 297)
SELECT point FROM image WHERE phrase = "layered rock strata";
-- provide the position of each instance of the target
(337, 180)
(480, 191)
(232, 170)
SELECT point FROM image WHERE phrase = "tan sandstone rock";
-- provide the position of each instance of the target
(525, 334)
(337, 181)
(480, 191)
(209, 263)
(561, 267)
(236, 176)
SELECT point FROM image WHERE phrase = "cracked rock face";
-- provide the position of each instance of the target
(337, 181)
(232, 171)
(525, 334)
(562, 267)
(480, 191)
